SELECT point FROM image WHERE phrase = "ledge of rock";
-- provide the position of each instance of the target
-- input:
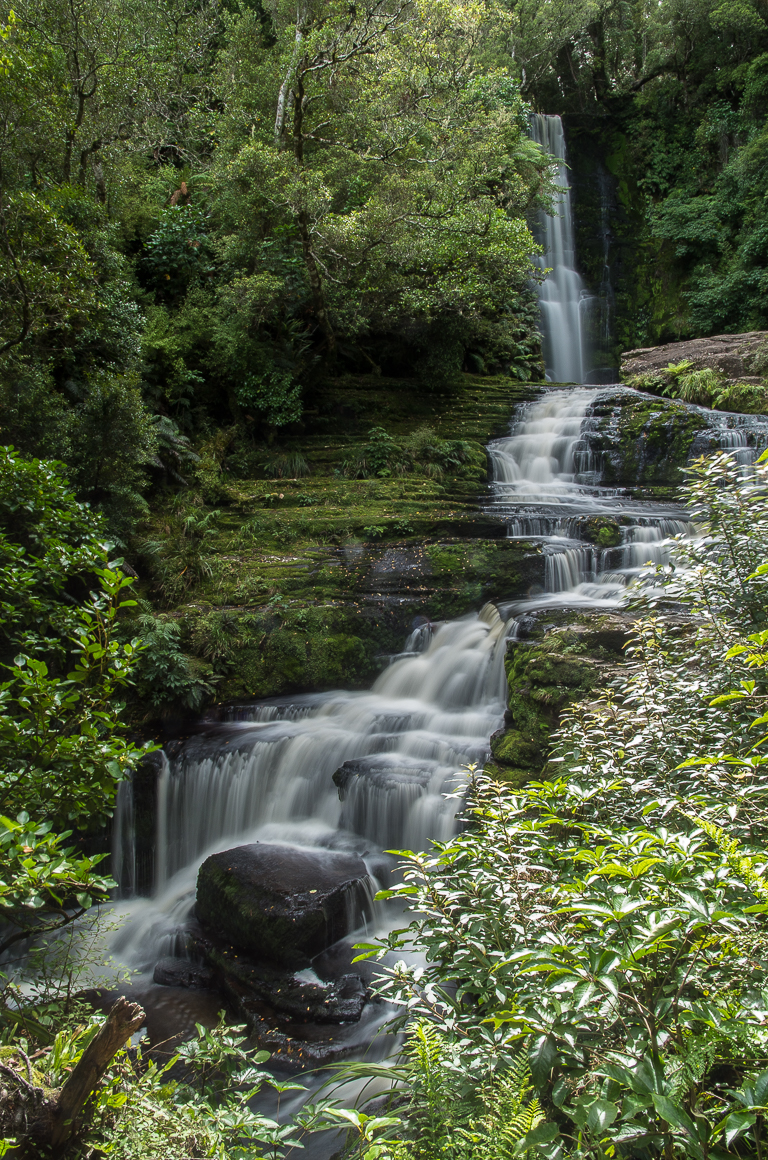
(738, 357)
(279, 903)
(560, 656)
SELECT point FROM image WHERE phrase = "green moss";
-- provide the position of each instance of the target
(655, 438)
(302, 583)
(515, 778)
(567, 659)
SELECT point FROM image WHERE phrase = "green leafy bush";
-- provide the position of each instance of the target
(610, 921)
(743, 398)
(423, 452)
(178, 250)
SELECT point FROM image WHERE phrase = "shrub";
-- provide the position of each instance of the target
(610, 921)
(699, 386)
(743, 398)
(423, 451)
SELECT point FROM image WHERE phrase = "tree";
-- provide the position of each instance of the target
(89, 81)
(46, 278)
(378, 165)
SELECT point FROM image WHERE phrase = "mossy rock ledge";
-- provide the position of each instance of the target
(279, 904)
(561, 656)
(642, 443)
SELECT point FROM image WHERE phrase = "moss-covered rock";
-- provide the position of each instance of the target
(604, 531)
(280, 904)
(300, 583)
(643, 441)
(565, 657)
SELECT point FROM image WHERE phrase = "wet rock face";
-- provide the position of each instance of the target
(170, 972)
(560, 656)
(641, 440)
(734, 356)
(303, 1019)
(280, 904)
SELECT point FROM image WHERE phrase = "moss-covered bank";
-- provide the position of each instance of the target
(302, 580)
(563, 656)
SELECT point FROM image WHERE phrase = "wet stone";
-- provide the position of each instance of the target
(171, 972)
(279, 903)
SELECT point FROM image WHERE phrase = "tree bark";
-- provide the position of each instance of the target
(316, 284)
(118, 1027)
(313, 270)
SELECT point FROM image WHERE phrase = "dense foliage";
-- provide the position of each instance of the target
(63, 748)
(667, 105)
(610, 922)
(205, 211)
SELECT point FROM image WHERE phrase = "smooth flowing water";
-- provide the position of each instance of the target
(564, 299)
(268, 776)
(268, 773)
(546, 485)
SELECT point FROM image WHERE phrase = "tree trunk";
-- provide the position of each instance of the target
(313, 270)
(316, 284)
(118, 1027)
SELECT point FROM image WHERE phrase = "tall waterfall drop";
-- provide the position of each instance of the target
(563, 296)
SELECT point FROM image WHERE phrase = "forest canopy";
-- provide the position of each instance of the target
(207, 209)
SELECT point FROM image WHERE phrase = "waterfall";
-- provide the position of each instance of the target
(546, 486)
(370, 771)
(563, 296)
(396, 751)
(124, 841)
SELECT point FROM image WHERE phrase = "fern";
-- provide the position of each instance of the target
(508, 1115)
(742, 865)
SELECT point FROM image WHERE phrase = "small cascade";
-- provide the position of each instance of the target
(546, 486)
(333, 771)
(563, 296)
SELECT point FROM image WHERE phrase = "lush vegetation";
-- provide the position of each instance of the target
(295, 193)
(606, 926)
(666, 105)
(266, 280)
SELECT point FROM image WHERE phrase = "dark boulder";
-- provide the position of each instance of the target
(278, 903)
(170, 972)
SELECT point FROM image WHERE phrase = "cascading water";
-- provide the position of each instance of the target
(269, 775)
(366, 772)
(546, 485)
(563, 296)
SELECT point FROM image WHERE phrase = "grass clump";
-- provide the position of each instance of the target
(423, 452)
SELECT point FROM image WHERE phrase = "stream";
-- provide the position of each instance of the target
(366, 772)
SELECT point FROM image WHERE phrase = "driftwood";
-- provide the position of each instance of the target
(45, 1121)
(118, 1027)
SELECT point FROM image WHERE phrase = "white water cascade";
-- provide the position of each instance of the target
(269, 775)
(563, 297)
(546, 485)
